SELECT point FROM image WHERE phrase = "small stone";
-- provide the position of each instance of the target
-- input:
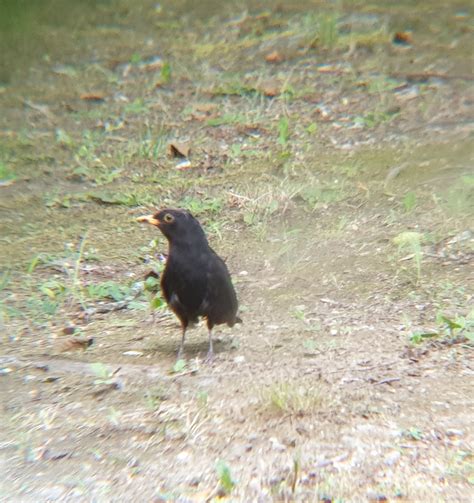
(132, 353)
(452, 432)
(276, 445)
(392, 458)
(183, 164)
(183, 456)
(239, 359)
(375, 496)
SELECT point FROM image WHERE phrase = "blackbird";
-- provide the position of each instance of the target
(195, 281)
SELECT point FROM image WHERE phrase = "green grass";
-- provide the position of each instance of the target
(292, 398)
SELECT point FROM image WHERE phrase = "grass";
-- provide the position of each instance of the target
(277, 179)
(7, 175)
(410, 242)
(293, 398)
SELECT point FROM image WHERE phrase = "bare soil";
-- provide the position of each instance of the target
(317, 137)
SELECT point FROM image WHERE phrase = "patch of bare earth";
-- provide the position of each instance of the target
(324, 393)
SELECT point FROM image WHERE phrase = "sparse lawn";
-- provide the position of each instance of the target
(327, 151)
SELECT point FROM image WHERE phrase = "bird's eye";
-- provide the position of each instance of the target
(168, 218)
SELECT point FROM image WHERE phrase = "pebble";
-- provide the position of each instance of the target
(392, 458)
(183, 456)
(452, 432)
(276, 445)
(132, 353)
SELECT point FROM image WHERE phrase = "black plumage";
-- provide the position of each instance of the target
(195, 281)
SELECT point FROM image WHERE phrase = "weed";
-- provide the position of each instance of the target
(152, 146)
(7, 175)
(179, 366)
(103, 374)
(114, 416)
(135, 59)
(459, 199)
(448, 329)
(409, 201)
(411, 242)
(327, 31)
(292, 398)
(283, 131)
(205, 205)
(121, 198)
(226, 482)
(413, 433)
(109, 290)
(137, 106)
(315, 195)
(461, 466)
(234, 88)
(228, 118)
(165, 73)
(374, 118)
(99, 174)
(203, 399)
(319, 29)
(312, 128)
(154, 397)
(63, 139)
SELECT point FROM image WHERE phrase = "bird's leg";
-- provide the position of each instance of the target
(210, 353)
(181, 346)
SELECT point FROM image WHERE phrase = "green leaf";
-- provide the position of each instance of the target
(469, 336)
(452, 325)
(151, 283)
(156, 303)
(47, 291)
(418, 337)
(179, 366)
(100, 370)
(409, 201)
(312, 128)
(283, 131)
(6, 174)
(165, 73)
(33, 264)
(5, 279)
(225, 478)
(108, 290)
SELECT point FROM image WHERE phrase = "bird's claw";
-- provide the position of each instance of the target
(209, 357)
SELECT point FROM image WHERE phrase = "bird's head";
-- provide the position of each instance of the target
(176, 225)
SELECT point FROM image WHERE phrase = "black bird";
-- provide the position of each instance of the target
(195, 281)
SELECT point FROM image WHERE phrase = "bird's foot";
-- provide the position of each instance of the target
(210, 357)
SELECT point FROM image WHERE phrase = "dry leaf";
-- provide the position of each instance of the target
(69, 330)
(270, 90)
(93, 97)
(152, 65)
(274, 57)
(205, 107)
(403, 38)
(74, 344)
(176, 149)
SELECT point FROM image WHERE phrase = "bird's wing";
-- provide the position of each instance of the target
(220, 301)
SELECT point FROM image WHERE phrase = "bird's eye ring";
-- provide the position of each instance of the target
(168, 218)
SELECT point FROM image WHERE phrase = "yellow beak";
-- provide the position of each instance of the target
(149, 219)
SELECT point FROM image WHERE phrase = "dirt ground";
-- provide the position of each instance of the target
(327, 150)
